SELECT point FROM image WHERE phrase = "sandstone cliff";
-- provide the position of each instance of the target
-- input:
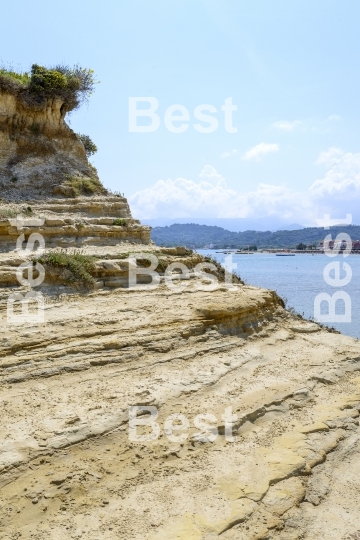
(39, 154)
(45, 175)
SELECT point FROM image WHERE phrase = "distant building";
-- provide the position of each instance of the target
(339, 245)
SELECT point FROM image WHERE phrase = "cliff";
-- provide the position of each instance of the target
(39, 154)
(44, 171)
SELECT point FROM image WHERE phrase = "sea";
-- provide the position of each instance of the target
(299, 279)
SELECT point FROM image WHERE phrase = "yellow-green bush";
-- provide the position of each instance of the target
(120, 222)
(79, 265)
(85, 186)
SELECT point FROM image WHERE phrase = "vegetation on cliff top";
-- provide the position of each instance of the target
(73, 85)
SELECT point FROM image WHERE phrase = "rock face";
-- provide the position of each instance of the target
(48, 187)
(39, 154)
(101, 227)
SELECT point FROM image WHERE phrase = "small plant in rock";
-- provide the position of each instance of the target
(116, 193)
(77, 263)
(120, 222)
(221, 271)
(301, 316)
(6, 213)
(89, 145)
(93, 168)
(163, 263)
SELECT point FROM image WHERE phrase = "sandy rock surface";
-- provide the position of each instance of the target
(69, 470)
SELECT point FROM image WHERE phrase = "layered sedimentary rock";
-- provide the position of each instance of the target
(68, 466)
(97, 221)
(49, 188)
(100, 226)
(39, 154)
(69, 469)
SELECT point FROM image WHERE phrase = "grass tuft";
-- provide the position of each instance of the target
(6, 213)
(79, 265)
(120, 222)
(85, 186)
(19, 78)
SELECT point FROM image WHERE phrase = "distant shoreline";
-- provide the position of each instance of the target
(273, 252)
(195, 236)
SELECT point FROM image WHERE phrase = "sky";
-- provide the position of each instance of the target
(290, 150)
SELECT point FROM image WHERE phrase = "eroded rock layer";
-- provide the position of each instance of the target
(69, 470)
(39, 154)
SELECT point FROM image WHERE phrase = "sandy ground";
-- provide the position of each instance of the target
(68, 466)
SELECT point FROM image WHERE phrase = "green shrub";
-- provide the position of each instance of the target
(89, 145)
(79, 265)
(85, 186)
(43, 79)
(121, 222)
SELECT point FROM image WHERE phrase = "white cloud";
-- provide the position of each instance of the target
(228, 154)
(285, 125)
(337, 194)
(261, 150)
(330, 156)
(341, 185)
(334, 117)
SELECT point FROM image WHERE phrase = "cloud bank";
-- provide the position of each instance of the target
(337, 194)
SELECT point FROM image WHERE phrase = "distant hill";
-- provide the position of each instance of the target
(199, 236)
(230, 224)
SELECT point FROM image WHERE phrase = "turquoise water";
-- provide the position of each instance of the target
(298, 280)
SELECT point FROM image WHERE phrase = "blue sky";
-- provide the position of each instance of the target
(292, 69)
